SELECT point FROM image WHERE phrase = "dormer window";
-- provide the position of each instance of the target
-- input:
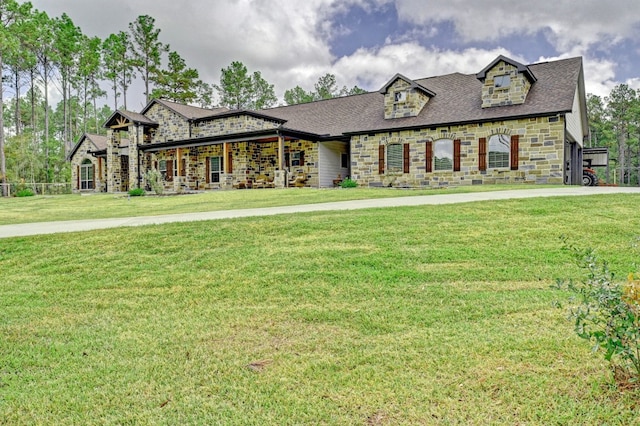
(400, 96)
(404, 97)
(505, 82)
(501, 81)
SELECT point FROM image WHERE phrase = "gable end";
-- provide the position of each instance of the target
(404, 97)
(505, 82)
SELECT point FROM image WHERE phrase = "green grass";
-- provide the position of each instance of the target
(415, 315)
(70, 207)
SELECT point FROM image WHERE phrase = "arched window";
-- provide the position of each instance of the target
(86, 175)
(499, 151)
(443, 154)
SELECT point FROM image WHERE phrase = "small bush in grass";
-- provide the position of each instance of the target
(348, 183)
(606, 312)
(136, 192)
(26, 192)
(154, 177)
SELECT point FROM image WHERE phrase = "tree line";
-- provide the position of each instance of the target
(40, 54)
(614, 122)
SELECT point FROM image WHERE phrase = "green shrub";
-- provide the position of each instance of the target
(154, 177)
(25, 192)
(136, 192)
(606, 312)
(348, 183)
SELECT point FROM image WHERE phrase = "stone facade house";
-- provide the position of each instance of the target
(508, 123)
(88, 170)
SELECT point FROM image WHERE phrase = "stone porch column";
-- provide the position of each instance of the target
(113, 161)
(135, 137)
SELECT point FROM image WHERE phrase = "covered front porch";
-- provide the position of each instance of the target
(271, 162)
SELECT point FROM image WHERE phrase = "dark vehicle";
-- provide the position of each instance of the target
(589, 177)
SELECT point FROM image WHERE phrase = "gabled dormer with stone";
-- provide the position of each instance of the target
(505, 82)
(404, 97)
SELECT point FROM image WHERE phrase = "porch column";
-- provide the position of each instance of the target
(280, 152)
(227, 176)
(98, 176)
(114, 177)
(135, 135)
(177, 180)
(280, 179)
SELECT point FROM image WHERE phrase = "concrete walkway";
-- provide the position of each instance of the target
(38, 228)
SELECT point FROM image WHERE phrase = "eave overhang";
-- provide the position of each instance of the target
(520, 67)
(458, 123)
(237, 137)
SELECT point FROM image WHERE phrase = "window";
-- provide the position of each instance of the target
(86, 175)
(499, 151)
(344, 160)
(502, 81)
(162, 168)
(443, 155)
(167, 169)
(394, 157)
(215, 169)
(400, 96)
(295, 159)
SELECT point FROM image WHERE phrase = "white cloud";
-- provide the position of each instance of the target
(290, 43)
(566, 23)
(634, 83)
(374, 67)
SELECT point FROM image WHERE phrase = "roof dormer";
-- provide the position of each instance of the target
(404, 97)
(506, 82)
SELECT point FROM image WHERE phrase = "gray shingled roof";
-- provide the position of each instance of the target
(458, 99)
(98, 141)
(136, 117)
(187, 111)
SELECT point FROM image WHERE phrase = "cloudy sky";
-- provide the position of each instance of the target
(366, 42)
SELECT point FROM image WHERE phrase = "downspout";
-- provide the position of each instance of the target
(138, 145)
(567, 169)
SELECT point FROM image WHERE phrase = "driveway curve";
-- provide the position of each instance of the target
(39, 228)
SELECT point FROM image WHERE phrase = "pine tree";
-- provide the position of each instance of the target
(146, 50)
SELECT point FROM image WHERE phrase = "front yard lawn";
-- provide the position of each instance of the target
(414, 315)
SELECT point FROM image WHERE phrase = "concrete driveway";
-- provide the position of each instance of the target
(38, 228)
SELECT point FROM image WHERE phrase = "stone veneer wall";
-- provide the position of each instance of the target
(515, 94)
(82, 153)
(250, 160)
(230, 125)
(114, 164)
(541, 148)
(136, 136)
(410, 107)
(172, 127)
